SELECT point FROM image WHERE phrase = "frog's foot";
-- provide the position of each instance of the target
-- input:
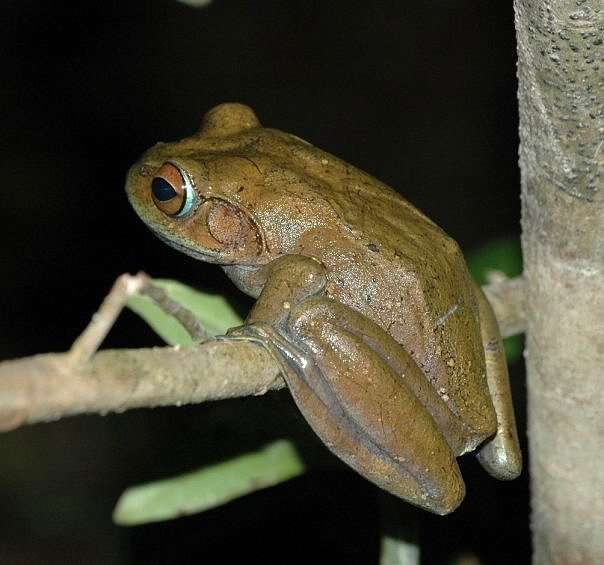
(361, 395)
(278, 346)
(500, 456)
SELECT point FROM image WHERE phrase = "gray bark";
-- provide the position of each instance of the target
(560, 74)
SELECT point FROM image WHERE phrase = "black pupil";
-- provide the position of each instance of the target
(162, 189)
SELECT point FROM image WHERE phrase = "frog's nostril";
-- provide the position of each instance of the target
(145, 170)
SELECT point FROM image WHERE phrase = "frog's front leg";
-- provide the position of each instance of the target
(360, 391)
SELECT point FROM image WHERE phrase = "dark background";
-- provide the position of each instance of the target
(422, 95)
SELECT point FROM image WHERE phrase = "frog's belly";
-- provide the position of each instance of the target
(437, 326)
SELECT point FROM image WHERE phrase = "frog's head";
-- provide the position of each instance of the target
(233, 193)
(189, 193)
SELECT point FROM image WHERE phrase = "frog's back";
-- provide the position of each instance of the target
(384, 258)
(403, 272)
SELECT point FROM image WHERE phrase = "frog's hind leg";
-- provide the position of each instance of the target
(366, 412)
(500, 456)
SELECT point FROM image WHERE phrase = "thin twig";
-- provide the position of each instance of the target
(182, 314)
(88, 342)
(507, 299)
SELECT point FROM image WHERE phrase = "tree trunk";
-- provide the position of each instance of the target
(561, 136)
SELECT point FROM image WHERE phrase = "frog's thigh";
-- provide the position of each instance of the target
(500, 456)
(366, 414)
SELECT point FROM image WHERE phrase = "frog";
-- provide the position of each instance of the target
(389, 349)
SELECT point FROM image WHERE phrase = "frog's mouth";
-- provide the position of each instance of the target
(208, 256)
(215, 257)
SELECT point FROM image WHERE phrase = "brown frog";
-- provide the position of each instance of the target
(389, 349)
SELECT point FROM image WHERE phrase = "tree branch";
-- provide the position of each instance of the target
(560, 59)
(51, 386)
(48, 387)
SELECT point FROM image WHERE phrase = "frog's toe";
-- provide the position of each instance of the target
(500, 456)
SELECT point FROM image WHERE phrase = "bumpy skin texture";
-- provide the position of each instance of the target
(365, 302)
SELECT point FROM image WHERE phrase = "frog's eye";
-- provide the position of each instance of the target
(172, 191)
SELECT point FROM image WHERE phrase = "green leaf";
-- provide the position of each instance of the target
(502, 255)
(208, 487)
(213, 311)
(513, 348)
